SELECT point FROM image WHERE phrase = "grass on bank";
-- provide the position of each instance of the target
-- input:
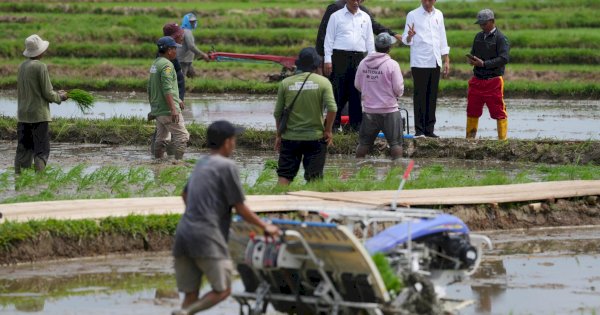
(79, 182)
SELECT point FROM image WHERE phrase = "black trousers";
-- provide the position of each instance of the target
(345, 64)
(311, 154)
(33, 145)
(426, 82)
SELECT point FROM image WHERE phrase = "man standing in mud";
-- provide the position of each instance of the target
(176, 32)
(489, 56)
(425, 33)
(165, 105)
(34, 93)
(380, 82)
(303, 136)
(188, 50)
(348, 39)
(200, 247)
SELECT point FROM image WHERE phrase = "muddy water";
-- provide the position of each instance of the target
(529, 118)
(251, 163)
(539, 272)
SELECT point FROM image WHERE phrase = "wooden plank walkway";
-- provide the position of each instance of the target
(466, 195)
(306, 200)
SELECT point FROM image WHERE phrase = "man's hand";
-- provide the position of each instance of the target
(411, 32)
(151, 117)
(272, 230)
(175, 117)
(63, 95)
(205, 57)
(328, 137)
(277, 143)
(446, 71)
(476, 62)
(182, 105)
(327, 68)
(398, 37)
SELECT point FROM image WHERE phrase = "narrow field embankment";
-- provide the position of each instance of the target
(135, 131)
(53, 239)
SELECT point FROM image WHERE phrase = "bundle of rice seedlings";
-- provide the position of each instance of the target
(392, 283)
(83, 99)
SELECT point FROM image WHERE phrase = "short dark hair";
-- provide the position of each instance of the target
(383, 50)
(219, 131)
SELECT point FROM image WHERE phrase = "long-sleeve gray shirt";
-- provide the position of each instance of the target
(494, 50)
(188, 50)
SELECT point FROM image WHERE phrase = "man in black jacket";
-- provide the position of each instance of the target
(489, 56)
(342, 93)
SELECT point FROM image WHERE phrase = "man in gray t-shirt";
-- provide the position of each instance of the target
(202, 233)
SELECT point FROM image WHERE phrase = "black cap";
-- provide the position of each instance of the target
(308, 59)
(166, 42)
(219, 131)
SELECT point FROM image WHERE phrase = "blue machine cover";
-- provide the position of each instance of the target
(398, 234)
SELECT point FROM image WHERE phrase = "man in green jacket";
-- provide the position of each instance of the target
(307, 135)
(34, 93)
(165, 104)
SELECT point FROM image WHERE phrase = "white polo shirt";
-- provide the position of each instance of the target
(350, 32)
(429, 44)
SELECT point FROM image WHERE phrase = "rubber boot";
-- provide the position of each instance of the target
(39, 164)
(179, 154)
(472, 124)
(502, 128)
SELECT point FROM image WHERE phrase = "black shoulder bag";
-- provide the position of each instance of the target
(285, 114)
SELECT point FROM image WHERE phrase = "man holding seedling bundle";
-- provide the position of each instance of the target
(188, 50)
(35, 92)
(200, 248)
(380, 82)
(489, 56)
(165, 104)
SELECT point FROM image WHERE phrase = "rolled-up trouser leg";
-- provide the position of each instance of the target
(179, 134)
(161, 136)
(24, 154)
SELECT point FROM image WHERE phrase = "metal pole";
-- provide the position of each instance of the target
(402, 182)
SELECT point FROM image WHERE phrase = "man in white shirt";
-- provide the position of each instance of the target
(348, 39)
(425, 33)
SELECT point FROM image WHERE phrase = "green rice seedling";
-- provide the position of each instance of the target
(83, 99)
(392, 283)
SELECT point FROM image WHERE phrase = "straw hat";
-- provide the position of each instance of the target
(35, 46)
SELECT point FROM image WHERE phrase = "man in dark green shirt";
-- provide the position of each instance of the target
(306, 135)
(35, 92)
(165, 105)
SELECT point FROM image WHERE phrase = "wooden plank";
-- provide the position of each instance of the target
(467, 195)
(100, 208)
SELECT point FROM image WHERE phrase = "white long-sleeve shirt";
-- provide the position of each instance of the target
(429, 44)
(350, 32)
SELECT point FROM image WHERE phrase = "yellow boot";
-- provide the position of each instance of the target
(502, 128)
(472, 123)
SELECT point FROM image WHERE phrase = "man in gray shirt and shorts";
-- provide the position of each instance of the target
(202, 233)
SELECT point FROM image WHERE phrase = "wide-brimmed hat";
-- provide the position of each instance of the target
(484, 16)
(35, 46)
(308, 59)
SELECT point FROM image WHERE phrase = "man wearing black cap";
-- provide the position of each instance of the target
(200, 248)
(488, 57)
(165, 105)
(302, 135)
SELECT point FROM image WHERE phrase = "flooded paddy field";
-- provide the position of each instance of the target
(544, 271)
(528, 118)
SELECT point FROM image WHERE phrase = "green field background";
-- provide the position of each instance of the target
(108, 45)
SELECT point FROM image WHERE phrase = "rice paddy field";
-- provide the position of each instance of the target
(108, 45)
